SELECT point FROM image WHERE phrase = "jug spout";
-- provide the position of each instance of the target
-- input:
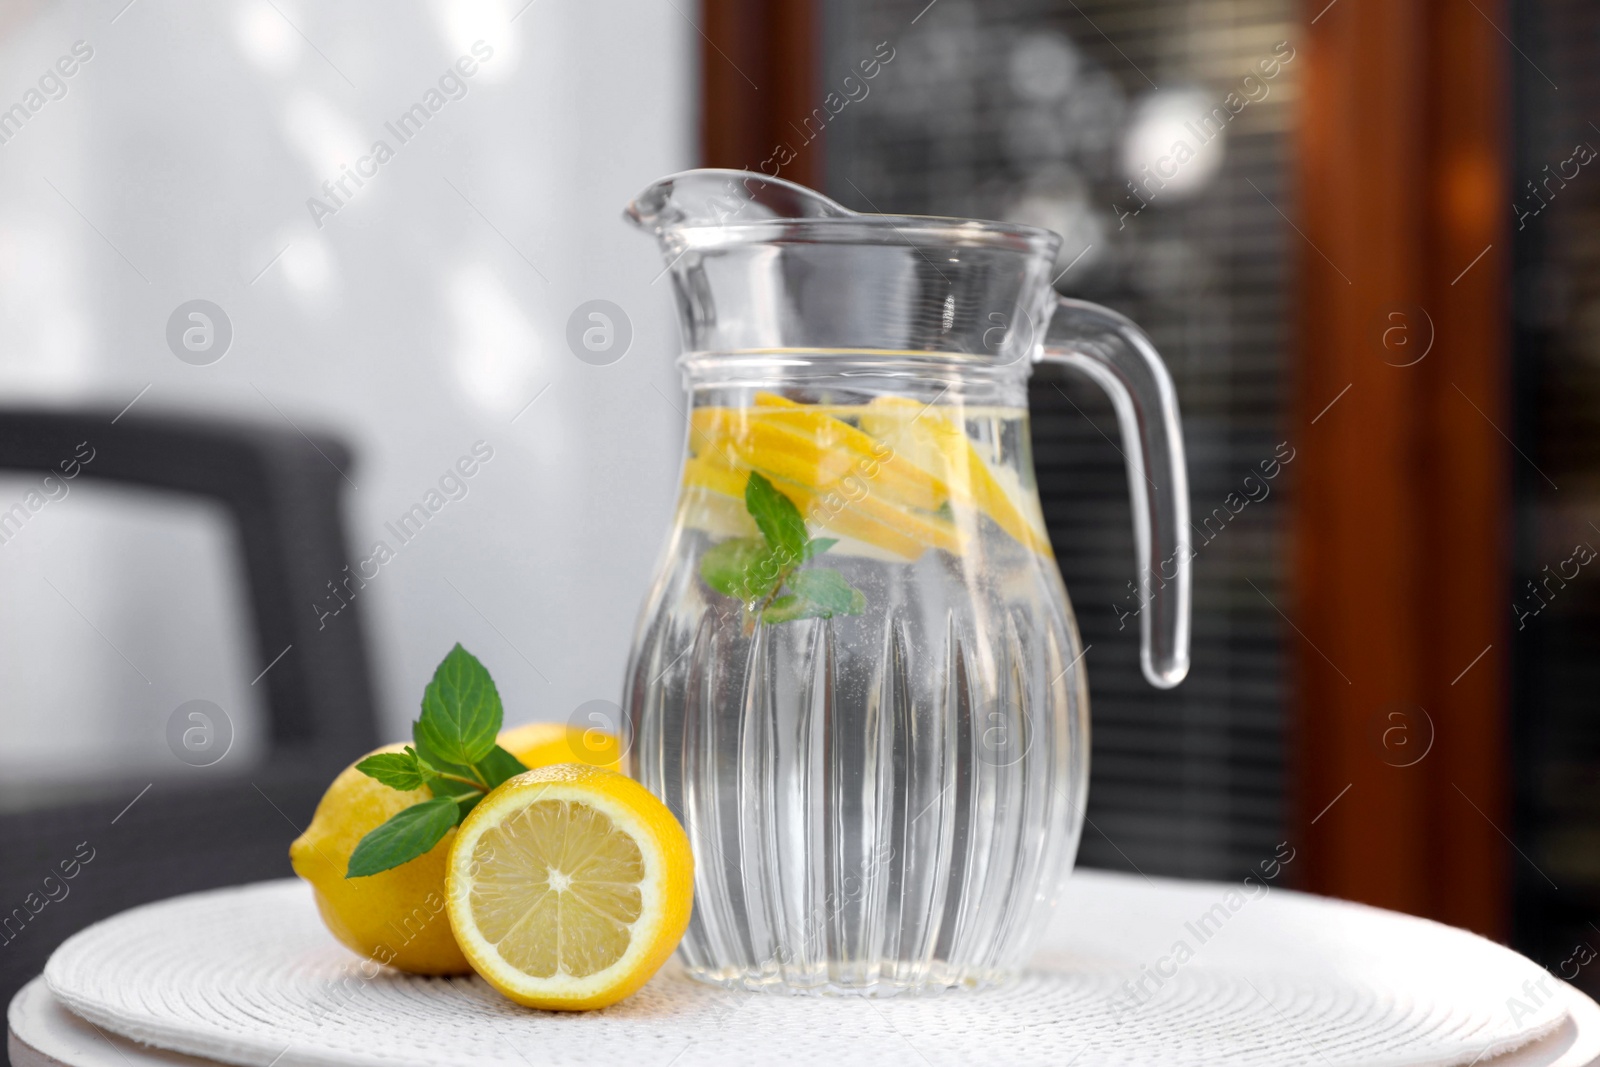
(760, 265)
(711, 197)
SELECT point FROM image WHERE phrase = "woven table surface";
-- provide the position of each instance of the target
(249, 976)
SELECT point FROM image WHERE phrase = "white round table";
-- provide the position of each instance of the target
(1133, 971)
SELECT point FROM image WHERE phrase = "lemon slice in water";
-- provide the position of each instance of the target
(569, 886)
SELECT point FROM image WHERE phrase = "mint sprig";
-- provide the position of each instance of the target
(461, 712)
(777, 518)
(404, 771)
(757, 570)
(409, 834)
(455, 757)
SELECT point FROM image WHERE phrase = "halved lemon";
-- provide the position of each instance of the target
(569, 886)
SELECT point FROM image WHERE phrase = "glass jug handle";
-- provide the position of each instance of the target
(1115, 353)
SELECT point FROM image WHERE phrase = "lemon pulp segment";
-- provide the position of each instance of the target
(565, 894)
(930, 440)
(817, 450)
(569, 886)
(905, 479)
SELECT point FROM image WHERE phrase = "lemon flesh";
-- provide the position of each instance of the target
(569, 886)
(570, 900)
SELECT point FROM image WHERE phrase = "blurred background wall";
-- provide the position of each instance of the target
(413, 315)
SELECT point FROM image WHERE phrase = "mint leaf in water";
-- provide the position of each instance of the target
(828, 589)
(741, 567)
(777, 518)
(791, 608)
(461, 712)
(404, 771)
(409, 834)
(818, 594)
(818, 545)
(757, 570)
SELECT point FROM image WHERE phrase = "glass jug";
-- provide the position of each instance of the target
(857, 680)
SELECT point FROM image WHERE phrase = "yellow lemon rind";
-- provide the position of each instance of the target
(543, 744)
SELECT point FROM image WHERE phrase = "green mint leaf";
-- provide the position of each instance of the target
(499, 765)
(778, 519)
(467, 793)
(449, 787)
(462, 794)
(404, 771)
(461, 712)
(440, 786)
(820, 593)
(818, 545)
(828, 589)
(742, 567)
(792, 608)
(409, 834)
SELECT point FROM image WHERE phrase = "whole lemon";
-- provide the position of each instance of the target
(540, 744)
(397, 917)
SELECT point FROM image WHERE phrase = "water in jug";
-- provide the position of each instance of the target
(856, 679)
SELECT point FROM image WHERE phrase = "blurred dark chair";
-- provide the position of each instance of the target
(197, 828)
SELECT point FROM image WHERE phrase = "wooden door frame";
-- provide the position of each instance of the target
(759, 80)
(1400, 584)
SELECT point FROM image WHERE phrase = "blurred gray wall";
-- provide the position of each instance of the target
(427, 312)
